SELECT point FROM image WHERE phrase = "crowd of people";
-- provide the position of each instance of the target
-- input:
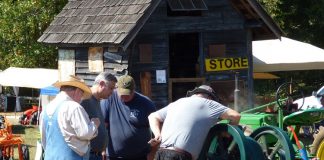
(111, 120)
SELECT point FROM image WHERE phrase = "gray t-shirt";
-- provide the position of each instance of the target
(187, 122)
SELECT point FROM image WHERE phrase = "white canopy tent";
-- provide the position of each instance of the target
(29, 78)
(286, 55)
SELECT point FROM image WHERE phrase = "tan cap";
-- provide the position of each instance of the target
(126, 85)
(75, 82)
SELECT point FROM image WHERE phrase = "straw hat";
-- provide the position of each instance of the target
(75, 82)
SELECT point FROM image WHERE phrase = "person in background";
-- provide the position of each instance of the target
(321, 123)
(126, 116)
(183, 125)
(103, 86)
(66, 129)
(290, 106)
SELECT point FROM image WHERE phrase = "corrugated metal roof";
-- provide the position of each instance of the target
(95, 21)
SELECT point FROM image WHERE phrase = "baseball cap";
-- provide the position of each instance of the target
(204, 89)
(126, 85)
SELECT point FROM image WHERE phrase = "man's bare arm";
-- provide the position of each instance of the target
(231, 115)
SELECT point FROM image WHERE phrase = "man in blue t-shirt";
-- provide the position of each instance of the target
(126, 113)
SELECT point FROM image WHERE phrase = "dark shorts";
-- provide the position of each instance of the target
(168, 154)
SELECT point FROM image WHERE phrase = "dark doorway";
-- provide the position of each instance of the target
(183, 58)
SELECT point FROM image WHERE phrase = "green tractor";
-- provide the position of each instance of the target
(261, 135)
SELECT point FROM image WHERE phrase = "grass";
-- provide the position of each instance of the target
(29, 133)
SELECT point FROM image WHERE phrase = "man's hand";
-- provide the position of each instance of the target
(155, 144)
(104, 155)
(96, 121)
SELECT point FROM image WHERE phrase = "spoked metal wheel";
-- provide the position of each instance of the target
(274, 142)
(289, 91)
(226, 142)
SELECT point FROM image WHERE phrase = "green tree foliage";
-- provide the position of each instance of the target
(21, 24)
(301, 20)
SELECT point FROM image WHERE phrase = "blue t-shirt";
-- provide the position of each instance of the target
(128, 126)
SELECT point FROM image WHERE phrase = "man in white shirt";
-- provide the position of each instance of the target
(65, 126)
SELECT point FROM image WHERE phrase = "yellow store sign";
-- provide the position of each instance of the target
(223, 64)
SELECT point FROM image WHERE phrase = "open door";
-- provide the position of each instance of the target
(183, 58)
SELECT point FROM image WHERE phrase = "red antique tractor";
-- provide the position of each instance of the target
(30, 116)
(9, 141)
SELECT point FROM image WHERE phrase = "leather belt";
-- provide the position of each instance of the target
(179, 150)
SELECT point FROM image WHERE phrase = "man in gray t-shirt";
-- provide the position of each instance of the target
(102, 88)
(183, 125)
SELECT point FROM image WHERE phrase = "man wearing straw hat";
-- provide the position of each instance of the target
(65, 126)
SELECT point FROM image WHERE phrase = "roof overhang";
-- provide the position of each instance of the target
(262, 25)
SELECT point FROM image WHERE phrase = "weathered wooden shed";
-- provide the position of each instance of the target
(168, 46)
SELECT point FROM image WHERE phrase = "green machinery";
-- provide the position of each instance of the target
(268, 136)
